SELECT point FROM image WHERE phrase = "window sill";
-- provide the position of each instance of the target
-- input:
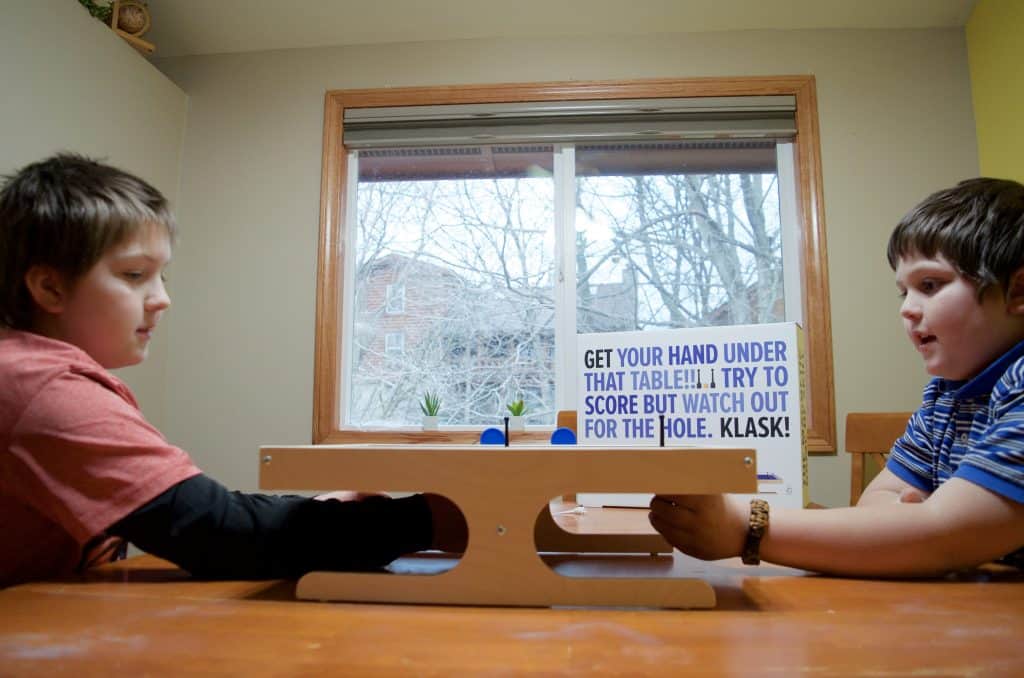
(413, 434)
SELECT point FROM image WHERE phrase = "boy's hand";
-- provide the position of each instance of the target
(707, 526)
(450, 531)
(912, 495)
(347, 495)
(887, 487)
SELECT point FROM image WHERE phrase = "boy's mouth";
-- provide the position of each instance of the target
(923, 340)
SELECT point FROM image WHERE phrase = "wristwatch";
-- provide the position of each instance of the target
(758, 524)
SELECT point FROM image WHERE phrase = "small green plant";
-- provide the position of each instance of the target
(431, 404)
(517, 408)
(100, 12)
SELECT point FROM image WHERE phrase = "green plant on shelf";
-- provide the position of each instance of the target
(101, 12)
(431, 404)
(517, 408)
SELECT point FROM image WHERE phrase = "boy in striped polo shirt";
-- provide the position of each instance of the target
(952, 493)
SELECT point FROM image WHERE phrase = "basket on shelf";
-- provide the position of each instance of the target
(130, 19)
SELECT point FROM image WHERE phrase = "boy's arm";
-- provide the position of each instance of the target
(960, 525)
(887, 488)
(212, 532)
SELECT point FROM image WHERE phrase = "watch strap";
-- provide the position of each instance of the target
(758, 525)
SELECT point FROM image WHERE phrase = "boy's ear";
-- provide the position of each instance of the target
(48, 288)
(1015, 293)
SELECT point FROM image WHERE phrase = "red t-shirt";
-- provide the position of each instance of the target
(76, 456)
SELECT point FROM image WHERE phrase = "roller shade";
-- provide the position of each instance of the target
(693, 118)
(718, 156)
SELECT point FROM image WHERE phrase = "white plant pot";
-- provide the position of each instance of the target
(429, 423)
(516, 424)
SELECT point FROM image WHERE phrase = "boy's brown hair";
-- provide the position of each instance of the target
(977, 225)
(65, 212)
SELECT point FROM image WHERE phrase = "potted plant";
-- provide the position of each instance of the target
(430, 406)
(516, 408)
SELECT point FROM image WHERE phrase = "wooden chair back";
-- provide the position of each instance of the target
(870, 434)
(566, 419)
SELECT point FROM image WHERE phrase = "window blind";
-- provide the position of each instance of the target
(692, 118)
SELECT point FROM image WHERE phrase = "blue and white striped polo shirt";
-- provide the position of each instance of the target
(968, 429)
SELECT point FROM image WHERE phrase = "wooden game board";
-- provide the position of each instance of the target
(504, 494)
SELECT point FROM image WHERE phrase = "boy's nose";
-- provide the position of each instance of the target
(910, 309)
(159, 299)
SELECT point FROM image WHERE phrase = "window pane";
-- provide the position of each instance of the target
(677, 235)
(466, 234)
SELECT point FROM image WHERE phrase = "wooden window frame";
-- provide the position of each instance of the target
(820, 393)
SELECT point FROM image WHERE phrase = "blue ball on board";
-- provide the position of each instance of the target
(492, 436)
(563, 436)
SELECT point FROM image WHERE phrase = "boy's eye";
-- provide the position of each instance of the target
(132, 275)
(929, 286)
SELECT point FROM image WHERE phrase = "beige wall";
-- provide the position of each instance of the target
(896, 123)
(70, 84)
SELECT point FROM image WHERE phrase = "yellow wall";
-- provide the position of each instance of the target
(996, 57)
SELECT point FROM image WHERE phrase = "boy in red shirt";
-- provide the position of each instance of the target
(83, 247)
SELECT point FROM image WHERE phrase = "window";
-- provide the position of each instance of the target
(394, 302)
(394, 343)
(516, 245)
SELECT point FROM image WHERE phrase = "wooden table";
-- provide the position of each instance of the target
(144, 617)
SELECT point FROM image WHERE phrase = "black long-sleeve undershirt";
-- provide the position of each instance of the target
(212, 532)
